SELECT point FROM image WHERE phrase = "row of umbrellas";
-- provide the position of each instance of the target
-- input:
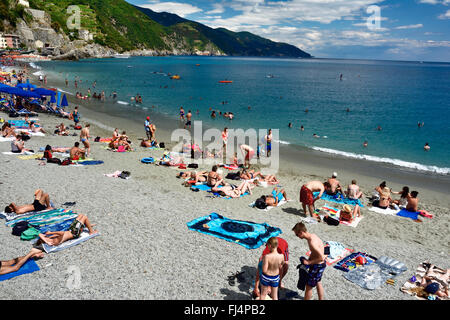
(33, 91)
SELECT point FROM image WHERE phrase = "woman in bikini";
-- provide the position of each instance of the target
(232, 190)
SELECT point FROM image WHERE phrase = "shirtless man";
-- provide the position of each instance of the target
(41, 202)
(248, 152)
(316, 261)
(84, 137)
(74, 232)
(272, 263)
(353, 191)
(413, 203)
(76, 153)
(231, 190)
(188, 119)
(307, 198)
(268, 139)
(14, 265)
(335, 185)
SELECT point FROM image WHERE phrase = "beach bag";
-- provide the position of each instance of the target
(331, 221)
(193, 165)
(13, 115)
(182, 166)
(97, 139)
(260, 203)
(66, 162)
(124, 174)
(19, 228)
(54, 160)
(77, 127)
(233, 176)
(30, 234)
(162, 145)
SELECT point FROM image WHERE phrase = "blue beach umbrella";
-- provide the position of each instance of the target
(58, 99)
(64, 102)
(44, 92)
(53, 99)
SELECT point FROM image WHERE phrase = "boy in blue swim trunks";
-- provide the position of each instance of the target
(316, 261)
(271, 265)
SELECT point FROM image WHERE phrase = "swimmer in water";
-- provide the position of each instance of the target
(365, 144)
(302, 128)
(316, 136)
(426, 147)
(290, 125)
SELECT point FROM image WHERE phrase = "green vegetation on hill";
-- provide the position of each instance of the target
(10, 13)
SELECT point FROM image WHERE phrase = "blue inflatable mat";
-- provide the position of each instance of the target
(28, 267)
(248, 234)
(339, 198)
(347, 263)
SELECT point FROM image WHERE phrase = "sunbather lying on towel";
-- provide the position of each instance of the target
(74, 232)
(275, 198)
(41, 202)
(232, 191)
(431, 286)
(249, 174)
(33, 128)
(14, 265)
(194, 176)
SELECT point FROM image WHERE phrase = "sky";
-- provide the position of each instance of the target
(409, 30)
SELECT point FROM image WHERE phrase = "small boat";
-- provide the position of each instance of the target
(175, 77)
(225, 81)
(121, 56)
(197, 64)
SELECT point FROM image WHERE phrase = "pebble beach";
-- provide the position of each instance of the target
(145, 250)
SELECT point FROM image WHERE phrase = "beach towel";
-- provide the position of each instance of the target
(89, 162)
(337, 252)
(45, 218)
(412, 286)
(205, 187)
(9, 139)
(338, 198)
(12, 215)
(28, 267)
(68, 244)
(9, 153)
(388, 211)
(31, 156)
(372, 276)
(408, 214)
(231, 166)
(335, 213)
(349, 262)
(245, 233)
(31, 133)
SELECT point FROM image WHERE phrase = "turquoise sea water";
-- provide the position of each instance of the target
(393, 95)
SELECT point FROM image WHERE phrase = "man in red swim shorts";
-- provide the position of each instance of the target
(283, 249)
(307, 197)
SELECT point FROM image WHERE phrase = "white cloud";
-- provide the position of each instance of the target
(181, 9)
(445, 15)
(411, 26)
(433, 2)
(218, 8)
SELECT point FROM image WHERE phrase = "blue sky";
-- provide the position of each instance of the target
(403, 29)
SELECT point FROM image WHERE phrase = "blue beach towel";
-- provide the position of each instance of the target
(90, 162)
(204, 187)
(408, 214)
(28, 267)
(245, 233)
(338, 198)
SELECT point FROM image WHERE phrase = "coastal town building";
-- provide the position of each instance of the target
(9, 41)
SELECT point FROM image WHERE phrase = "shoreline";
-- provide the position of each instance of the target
(431, 185)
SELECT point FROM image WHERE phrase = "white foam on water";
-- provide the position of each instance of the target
(122, 102)
(65, 91)
(99, 124)
(281, 142)
(397, 162)
(35, 66)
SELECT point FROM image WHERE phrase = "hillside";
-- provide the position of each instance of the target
(231, 43)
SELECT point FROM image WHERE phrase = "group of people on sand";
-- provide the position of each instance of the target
(120, 142)
(42, 202)
(382, 198)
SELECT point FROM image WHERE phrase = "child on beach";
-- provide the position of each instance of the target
(271, 265)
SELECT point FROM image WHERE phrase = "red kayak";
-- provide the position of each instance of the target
(225, 81)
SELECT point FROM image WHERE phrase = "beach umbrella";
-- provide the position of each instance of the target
(26, 86)
(58, 99)
(53, 99)
(64, 102)
(44, 92)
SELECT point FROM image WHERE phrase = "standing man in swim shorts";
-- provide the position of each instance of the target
(307, 197)
(148, 131)
(188, 119)
(283, 249)
(268, 139)
(316, 261)
(84, 138)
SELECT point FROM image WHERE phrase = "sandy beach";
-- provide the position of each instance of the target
(146, 251)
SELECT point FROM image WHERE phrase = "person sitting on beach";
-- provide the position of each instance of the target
(9, 266)
(7, 131)
(270, 179)
(431, 286)
(349, 214)
(58, 237)
(33, 128)
(272, 264)
(75, 116)
(385, 199)
(18, 146)
(378, 190)
(249, 174)
(62, 130)
(77, 153)
(413, 204)
(230, 190)
(334, 185)
(283, 249)
(123, 144)
(403, 197)
(213, 177)
(41, 202)
(307, 198)
(353, 191)
(115, 135)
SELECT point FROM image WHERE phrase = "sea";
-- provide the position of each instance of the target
(340, 103)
